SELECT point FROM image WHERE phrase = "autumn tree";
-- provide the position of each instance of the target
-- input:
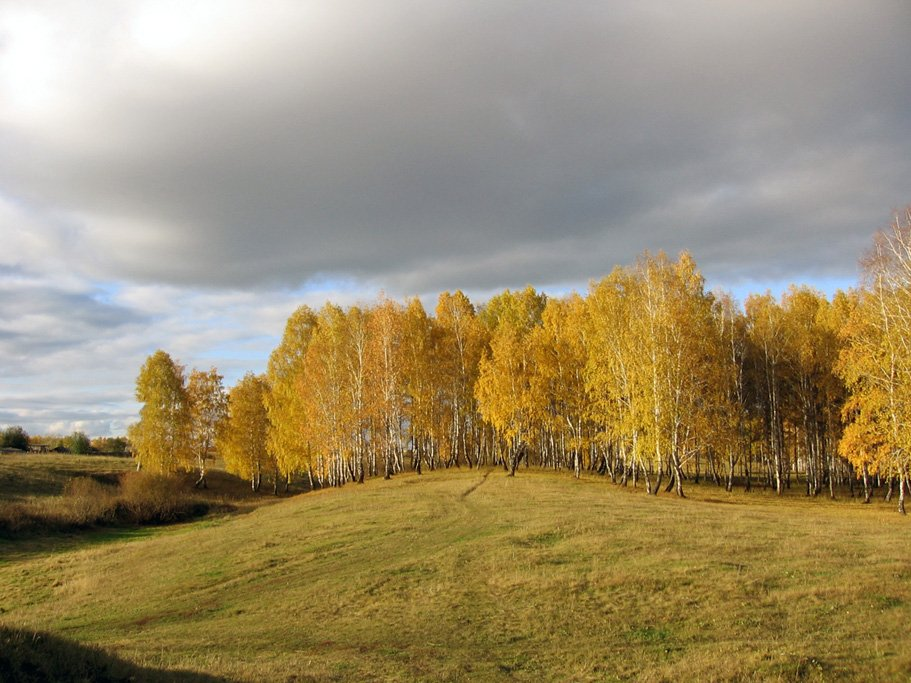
(331, 419)
(385, 383)
(864, 441)
(356, 346)
(503, 390)
(558, 400)
(160, 440)
(870, 365)
(242, 441)
(648, 376)
(287, 437)
(208, 409)
(678, 348)
(768, 335)
(876, 361)
(728, 420)
(609, 372)
(655, 361)
(460, 342)
(422, 377)
(814, 393)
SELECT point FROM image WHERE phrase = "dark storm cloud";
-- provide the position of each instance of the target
(429, 145)
(172, 173)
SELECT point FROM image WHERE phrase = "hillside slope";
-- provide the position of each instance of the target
(478, 576)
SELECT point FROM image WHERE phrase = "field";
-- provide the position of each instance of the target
(29, 474)
(472, 575)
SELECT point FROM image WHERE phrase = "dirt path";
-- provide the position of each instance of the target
(474, 487)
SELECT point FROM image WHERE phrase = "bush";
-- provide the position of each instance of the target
(78, 443)
(147, 498)
(86, 502)
(14, 437)
(15, 518)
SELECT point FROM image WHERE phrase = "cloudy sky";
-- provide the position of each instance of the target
(182, 175)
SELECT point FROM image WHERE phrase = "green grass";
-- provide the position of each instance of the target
(537, 577)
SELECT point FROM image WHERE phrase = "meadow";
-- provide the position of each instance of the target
(474, 575)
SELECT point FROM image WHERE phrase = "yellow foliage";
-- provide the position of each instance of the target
(161, 439)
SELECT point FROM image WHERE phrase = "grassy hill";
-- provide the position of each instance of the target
(466, 575)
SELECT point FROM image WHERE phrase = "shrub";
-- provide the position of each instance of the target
(14, 437)
(86, 502)
(147, 498)
(15, 518)
(78, 443)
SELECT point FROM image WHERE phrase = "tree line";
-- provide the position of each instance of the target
(647, 378)
(78, 443)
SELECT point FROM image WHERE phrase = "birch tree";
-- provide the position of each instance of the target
(161, 439)
(286, 376)
(876, 361)
(460, 341)
(330, 421)
(504, 391)
(385, 377)
(609, 372)
(243, 440)
(729, 422)
(208, 409)
(768, 335)
(558, 400)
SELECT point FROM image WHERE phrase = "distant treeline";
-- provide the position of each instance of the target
(15, 437)
(646, 377)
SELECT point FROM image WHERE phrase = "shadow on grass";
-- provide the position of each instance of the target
(34, 656)
(17, 549)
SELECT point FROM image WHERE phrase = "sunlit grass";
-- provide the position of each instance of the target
(537, 577)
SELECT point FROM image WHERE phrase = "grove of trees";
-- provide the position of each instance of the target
(177, 422)
(647, 378)
(77, 443)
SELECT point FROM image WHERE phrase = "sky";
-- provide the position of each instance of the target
(184, 175)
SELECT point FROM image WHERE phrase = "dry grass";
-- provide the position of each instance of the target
(53, 494)
(538, 577)
(134, 498)
(34, 657)
(30, 475)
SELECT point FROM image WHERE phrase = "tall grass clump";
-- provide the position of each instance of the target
(156, 499)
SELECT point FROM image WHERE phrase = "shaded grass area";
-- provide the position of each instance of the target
(34, 657)
(537, 577)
